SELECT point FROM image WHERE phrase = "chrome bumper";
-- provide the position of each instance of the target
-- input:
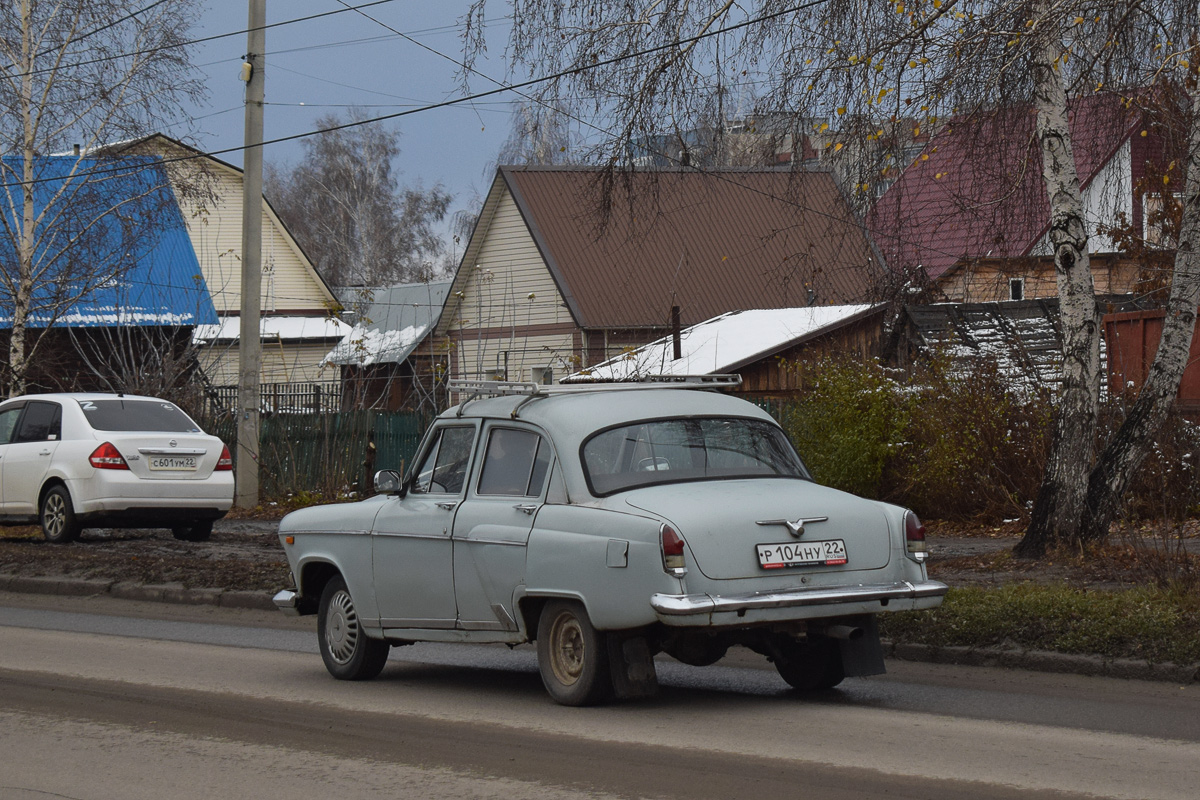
(288, 602)
(682, 605)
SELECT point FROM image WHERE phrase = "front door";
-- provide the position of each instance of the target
(492, 526)
(412, 560)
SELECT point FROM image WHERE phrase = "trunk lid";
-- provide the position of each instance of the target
(167, 456)
(720, 521)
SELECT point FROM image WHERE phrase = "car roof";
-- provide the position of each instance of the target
(574, 416)
(85, 396)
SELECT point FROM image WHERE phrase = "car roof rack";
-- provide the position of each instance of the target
(500, 388)
(531, 391)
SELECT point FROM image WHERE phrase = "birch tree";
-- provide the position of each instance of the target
(344, 203)
(853, 72)
(78, 74)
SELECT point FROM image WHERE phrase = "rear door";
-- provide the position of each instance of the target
(492, 526)
(27, 457)
(9, 417)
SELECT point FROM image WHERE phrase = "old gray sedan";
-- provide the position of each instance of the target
(608, 524)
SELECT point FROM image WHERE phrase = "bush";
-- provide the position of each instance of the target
(948, 443)
(972, 446)
(848, 422)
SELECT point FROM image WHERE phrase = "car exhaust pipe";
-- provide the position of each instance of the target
(848, 633)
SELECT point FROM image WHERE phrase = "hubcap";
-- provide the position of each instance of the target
(54, 517)
(567, 653)
(341, 627)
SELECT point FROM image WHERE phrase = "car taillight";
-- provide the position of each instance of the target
(672, 551)
(914, 537)
(225, 462)
(106, 456)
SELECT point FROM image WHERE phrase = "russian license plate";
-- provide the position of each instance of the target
(173, 462)
(802, 554)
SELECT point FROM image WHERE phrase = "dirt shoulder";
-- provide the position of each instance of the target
(245, 554)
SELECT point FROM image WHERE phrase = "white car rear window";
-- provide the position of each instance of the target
(137, 415)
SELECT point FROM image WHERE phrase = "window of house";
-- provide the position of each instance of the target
(1016, 288)
(1158, 225)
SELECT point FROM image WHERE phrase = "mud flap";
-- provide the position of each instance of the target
(863, 655)
(632, 667)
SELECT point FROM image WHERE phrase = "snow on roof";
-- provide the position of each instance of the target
(284, 328)
(367, 346)
(724, 343)
(394, 320)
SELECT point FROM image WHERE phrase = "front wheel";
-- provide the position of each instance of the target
(809, 665)
(349, 654)
(59, 524)
(572, 655)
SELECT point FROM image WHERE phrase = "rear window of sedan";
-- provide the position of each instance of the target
(676, 450)
(137, 415)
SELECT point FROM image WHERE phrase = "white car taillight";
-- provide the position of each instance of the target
(225, 462)
(672, 550)
(914, 537)
(106, 456)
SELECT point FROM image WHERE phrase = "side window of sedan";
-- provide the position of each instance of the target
(8, 423)
(444, 470)
(42, 422)
(515, 465)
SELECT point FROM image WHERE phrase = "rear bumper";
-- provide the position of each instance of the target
(691, 609)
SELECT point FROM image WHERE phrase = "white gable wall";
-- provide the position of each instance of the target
(1109, 193)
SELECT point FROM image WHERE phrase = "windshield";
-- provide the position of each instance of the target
(137, 415)
(673, 450)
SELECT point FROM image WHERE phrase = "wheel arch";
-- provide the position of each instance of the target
(49, 484)
(530, 607)
(314, 576)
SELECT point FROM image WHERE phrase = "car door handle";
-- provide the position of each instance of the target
(446, 504)
(527, 509)
(44, 453)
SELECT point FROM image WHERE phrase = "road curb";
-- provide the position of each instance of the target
(1045, 661)
(175, 593)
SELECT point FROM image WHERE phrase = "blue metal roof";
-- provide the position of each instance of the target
(131, 262)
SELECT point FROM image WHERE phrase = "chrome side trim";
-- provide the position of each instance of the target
(443, 537)
(403, 622)
(288, 602)
(481, 540)
(686, 604)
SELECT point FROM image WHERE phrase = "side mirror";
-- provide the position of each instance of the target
(387, 481)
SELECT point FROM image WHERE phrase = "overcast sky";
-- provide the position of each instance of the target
(323, 66)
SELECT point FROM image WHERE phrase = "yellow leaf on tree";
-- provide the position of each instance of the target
(1166, 179)
(837, 147)
(924, 156)
(841, 110)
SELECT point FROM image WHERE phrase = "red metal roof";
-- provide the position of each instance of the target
(977, 188)
(709, 242)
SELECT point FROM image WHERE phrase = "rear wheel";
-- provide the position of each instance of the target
(198, 532)
(809, 665)
(59, 524)
(572, 655)
(349, 654)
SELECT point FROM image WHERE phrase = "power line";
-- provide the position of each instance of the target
(190, 42)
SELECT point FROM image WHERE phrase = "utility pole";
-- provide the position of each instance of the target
(250, 343)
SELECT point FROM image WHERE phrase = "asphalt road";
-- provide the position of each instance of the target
(101, 698)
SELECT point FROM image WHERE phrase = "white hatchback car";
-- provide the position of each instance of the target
(75, 461)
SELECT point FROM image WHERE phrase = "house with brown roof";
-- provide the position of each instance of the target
(559, 275)
(971, 216)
